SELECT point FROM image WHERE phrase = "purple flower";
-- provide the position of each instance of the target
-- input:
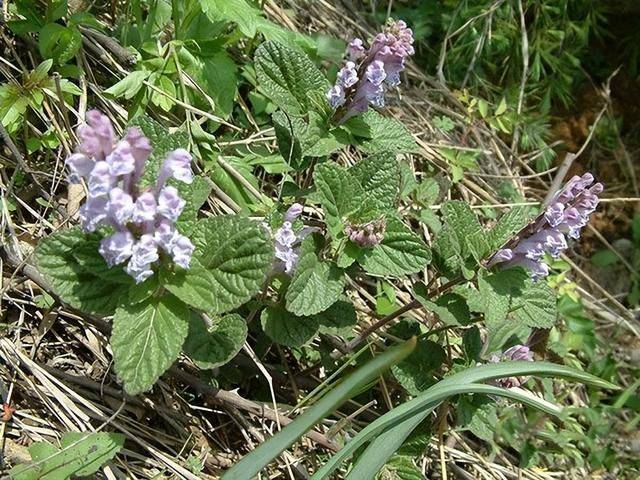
(176, 165)
(117, 248)
(335, 96)
(355, 50)
(515, 353)
(359, 85)
(121, 206)
(80, 166)
(287, 241)
(566, 215)
(100, 179)
(182, 250)
(96, 136)
(145, 208)
(164, 235)
(94, 212)
(367, 235)
(144, 254)
(120, 160)
(348, 75)
(170, 205)
(143, 220)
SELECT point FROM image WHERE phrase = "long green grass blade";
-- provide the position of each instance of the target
(385, 445)
(426, 399)
(256, 460)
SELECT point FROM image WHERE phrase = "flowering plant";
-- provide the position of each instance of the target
(179, 278)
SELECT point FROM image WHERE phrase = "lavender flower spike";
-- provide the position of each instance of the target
(567, 213)
(143, 220)
(287, 241)
(367, 73)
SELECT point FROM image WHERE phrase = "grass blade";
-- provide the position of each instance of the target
(426, 400)
(379, 451)
(256, 460)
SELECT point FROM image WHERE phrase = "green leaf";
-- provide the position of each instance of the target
(129, 86)
(146, 339)
(286, 328)
(479, 416)
(58, 42)
(288, 77)
(232, 257)
(82, 454)
(400, 467)
(240, 12)
(511, 296)
(379, 176)
(401, 252)
(508, 224)
(257, 459)
(465, 225)
(315, 285)
(82, 284)
(194, 194)
(214, 346)
(217, 74)
(447, 252)
(450, 308)
(415, 372)
(339, 319)
(536, 306)
(339, 193)
(382, 134)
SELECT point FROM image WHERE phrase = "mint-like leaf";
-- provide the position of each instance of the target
(232, 257)
(146, 339)
(465, 225)
(379, 176)
(288, 77)
(508, 224)
(381, 134)
(338, 319)
(286, 328)
(339, 193)
(213, 347)
(415, 372)
(315, 285)
(401, 252)
(450, 308)
(85, 282)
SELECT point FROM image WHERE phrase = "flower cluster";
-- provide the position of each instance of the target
(366, 74)
(143, 219)
(367, 235)
(517, 352)
(567, 213)
(287, 241)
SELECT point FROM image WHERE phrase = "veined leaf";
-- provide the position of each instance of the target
(229, 265)
(315, 285)
(401, 252)
(83, 283)
(288, 77)
(146, 339)
(215, 346)
(286, 328)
